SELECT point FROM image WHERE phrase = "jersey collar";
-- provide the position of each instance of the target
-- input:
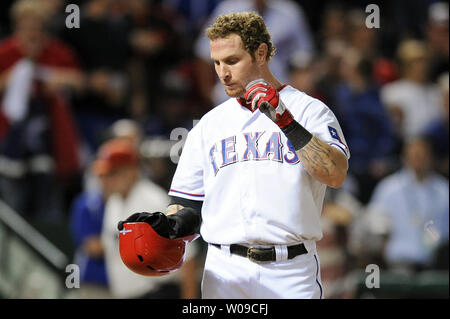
(248, 105)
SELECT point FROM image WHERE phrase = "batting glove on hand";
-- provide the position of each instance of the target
(265, 97)
(159, 222)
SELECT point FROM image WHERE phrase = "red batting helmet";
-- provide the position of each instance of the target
(147, 253)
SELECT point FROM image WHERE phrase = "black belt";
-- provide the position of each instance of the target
(259, 254)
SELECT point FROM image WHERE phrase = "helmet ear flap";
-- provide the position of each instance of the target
(147, 253)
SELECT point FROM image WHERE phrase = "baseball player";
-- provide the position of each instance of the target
(253, 173)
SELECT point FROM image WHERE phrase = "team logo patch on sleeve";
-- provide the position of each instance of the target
(334, 134)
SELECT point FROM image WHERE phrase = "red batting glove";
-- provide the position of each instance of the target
(265, 97)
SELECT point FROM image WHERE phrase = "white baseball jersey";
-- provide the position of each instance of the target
(253, 186)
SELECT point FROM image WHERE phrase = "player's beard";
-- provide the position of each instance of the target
(235, 91)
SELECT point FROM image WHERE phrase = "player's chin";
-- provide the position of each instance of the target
(234, 92)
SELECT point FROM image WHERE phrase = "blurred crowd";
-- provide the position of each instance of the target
(87, 114)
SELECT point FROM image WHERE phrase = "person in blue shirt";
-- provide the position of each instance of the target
(414, 205)
(86, 226)
(369, 133)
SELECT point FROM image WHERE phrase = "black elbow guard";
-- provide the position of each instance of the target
(185, 222)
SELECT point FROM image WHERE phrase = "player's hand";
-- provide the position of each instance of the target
(265, 97)
(159, 222)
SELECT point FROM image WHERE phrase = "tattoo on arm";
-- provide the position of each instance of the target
(317, 157)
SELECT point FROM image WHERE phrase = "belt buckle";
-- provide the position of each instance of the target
(251, 254)
(254, 252)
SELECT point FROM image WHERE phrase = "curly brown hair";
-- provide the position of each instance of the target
(249, 26)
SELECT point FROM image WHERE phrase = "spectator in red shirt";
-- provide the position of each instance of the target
(38, 138)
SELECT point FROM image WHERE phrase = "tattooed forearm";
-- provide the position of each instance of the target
(317, 156)
(323, 162)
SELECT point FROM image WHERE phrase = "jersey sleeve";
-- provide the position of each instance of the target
(320, 121)
(187, 181)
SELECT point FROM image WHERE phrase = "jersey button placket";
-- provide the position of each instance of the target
(246, 182)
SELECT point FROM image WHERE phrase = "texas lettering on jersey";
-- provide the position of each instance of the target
(253, 146)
